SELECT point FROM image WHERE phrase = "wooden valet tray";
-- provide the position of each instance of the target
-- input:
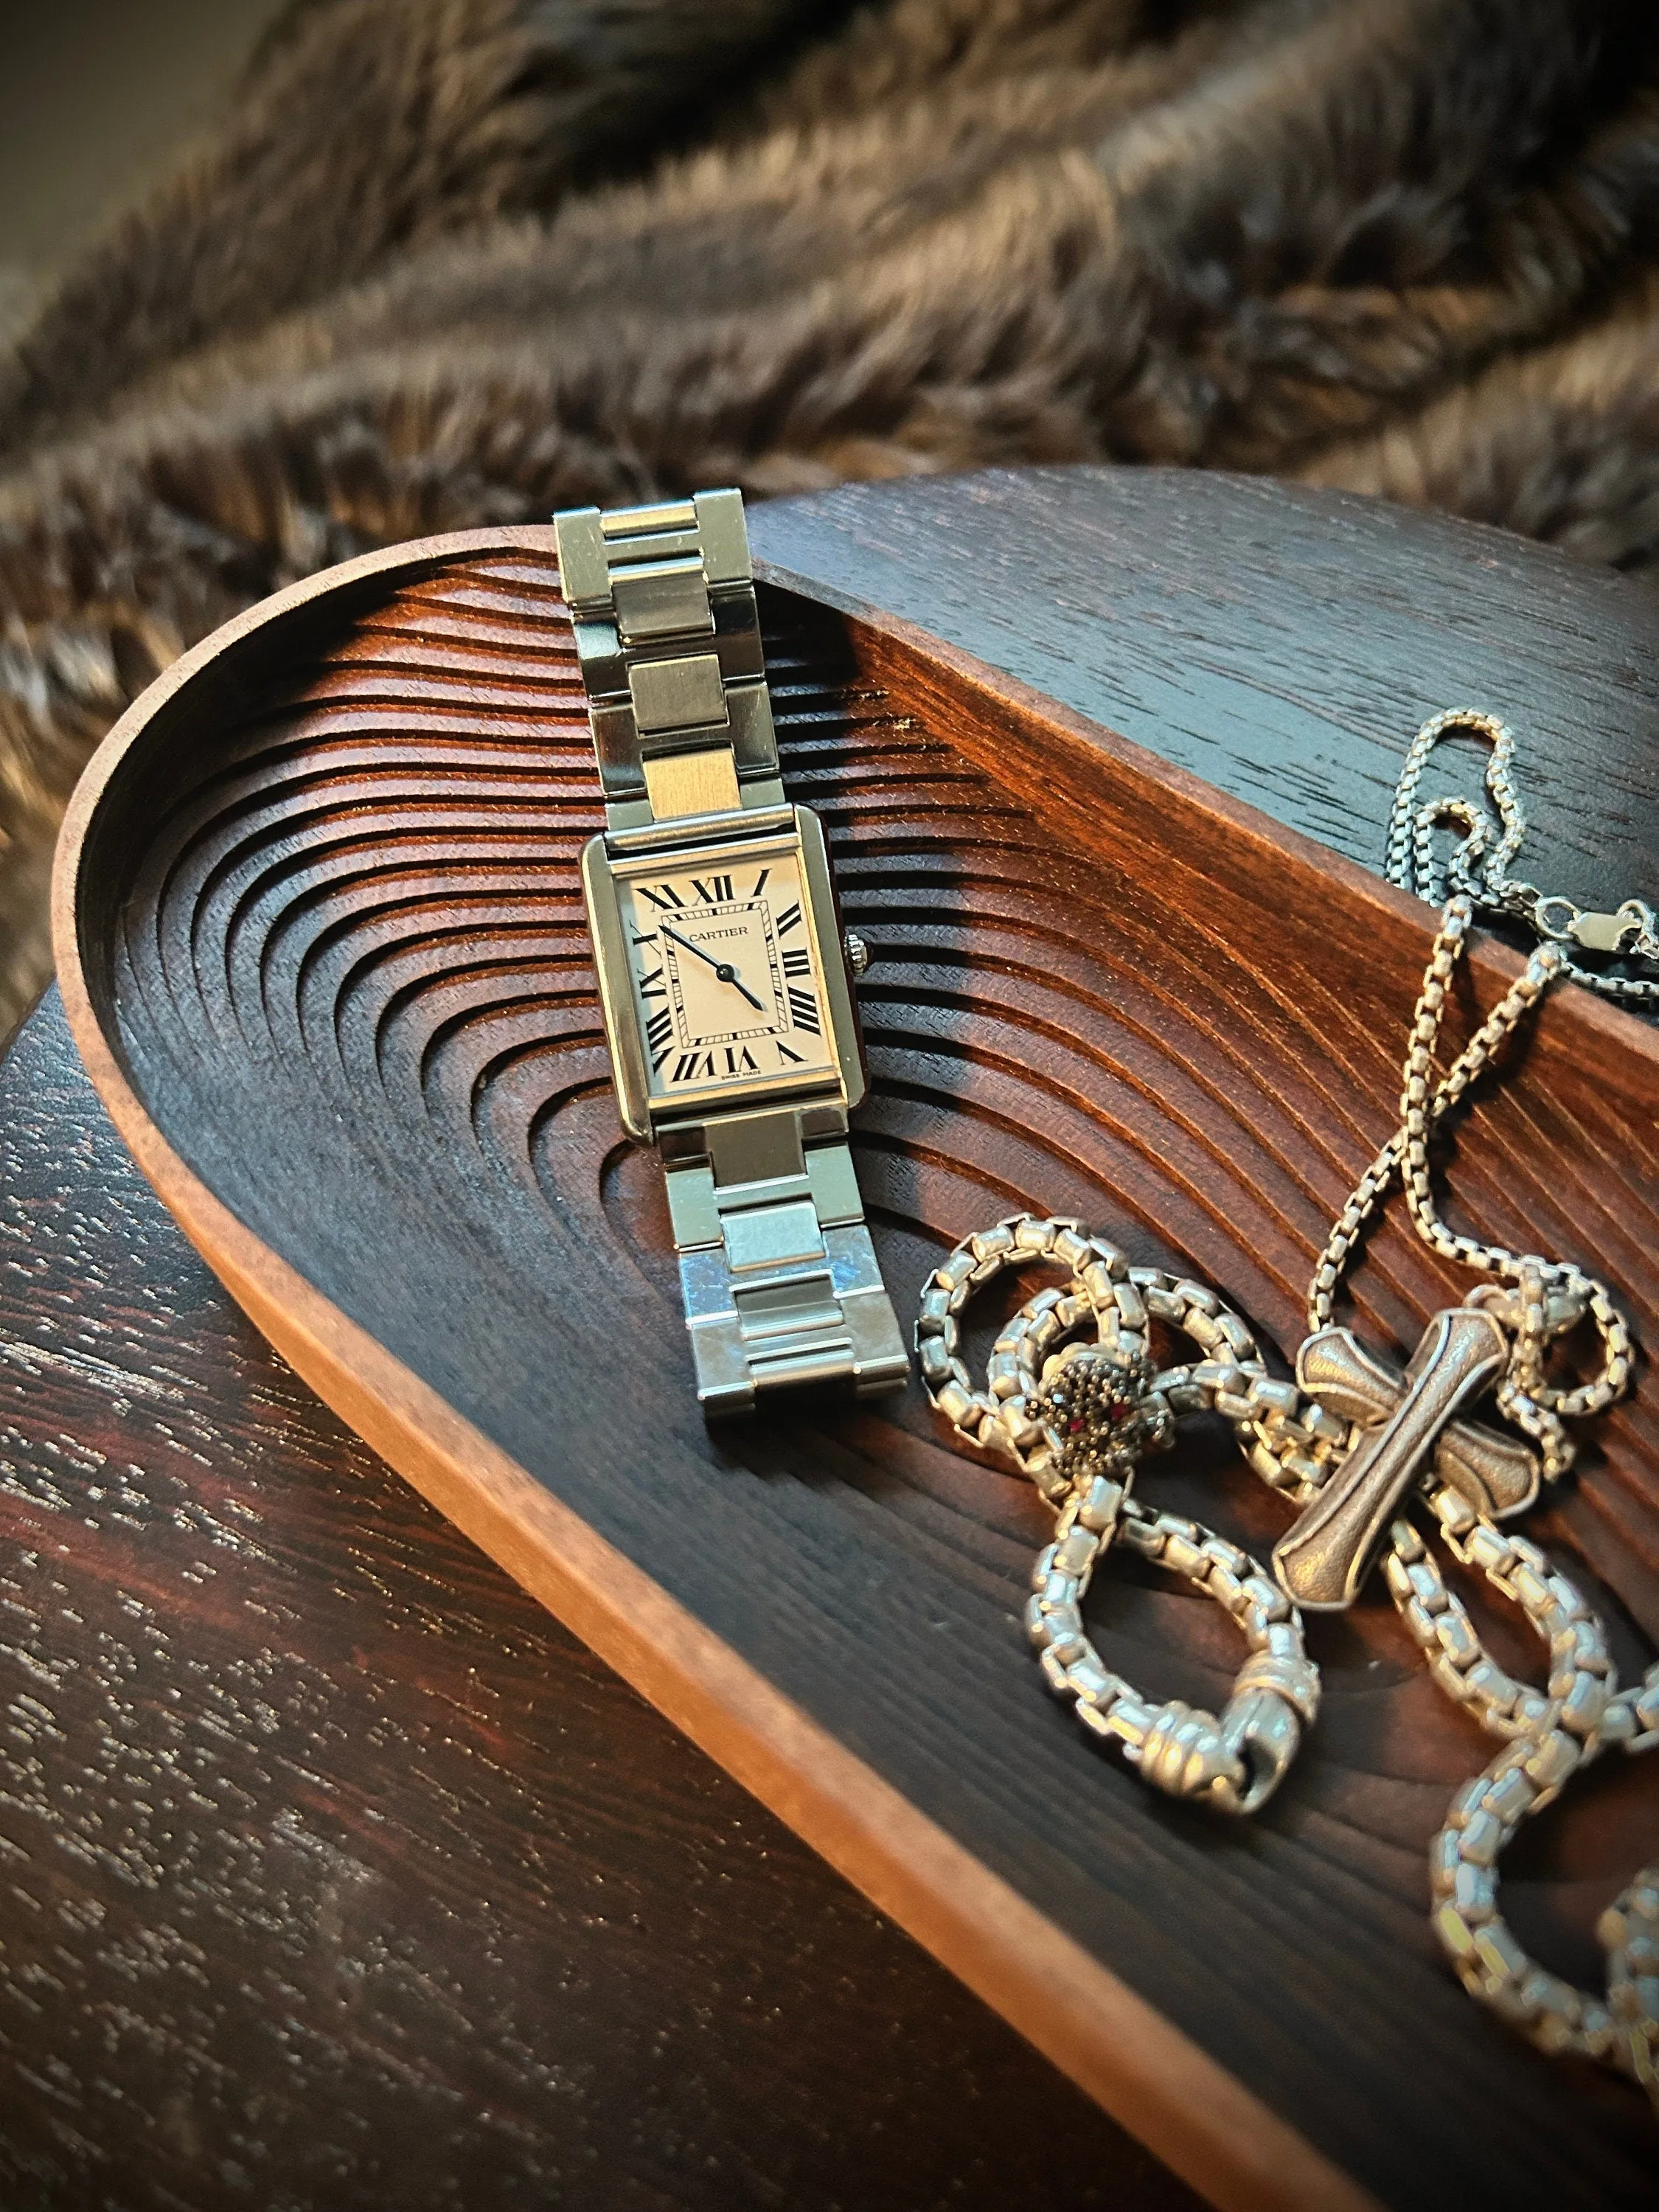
(322, 944)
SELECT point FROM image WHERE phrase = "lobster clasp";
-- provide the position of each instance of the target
(1607, 933)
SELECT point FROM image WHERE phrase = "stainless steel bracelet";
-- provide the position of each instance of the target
(781, 1285)
(780, 1281)
(663, 600)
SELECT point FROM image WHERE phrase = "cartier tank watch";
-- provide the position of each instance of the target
(723, 974)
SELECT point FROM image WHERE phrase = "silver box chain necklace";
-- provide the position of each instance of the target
(1074, 1398)
(1479, 866)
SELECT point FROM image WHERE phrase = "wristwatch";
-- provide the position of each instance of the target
(723, 974)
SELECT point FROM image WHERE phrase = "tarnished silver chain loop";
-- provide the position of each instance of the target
(1235, 1760)
(1289, 1441)
(1478, 867)
(1297, 1444)
(1549, 1739)
(1548, 1736)
(1549, 1295)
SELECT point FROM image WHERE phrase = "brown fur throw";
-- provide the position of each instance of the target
(450, 261)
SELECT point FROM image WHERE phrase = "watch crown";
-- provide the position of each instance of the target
(857, 951)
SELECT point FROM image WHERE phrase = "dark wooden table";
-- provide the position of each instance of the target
(335, 1874)
(339, 1874)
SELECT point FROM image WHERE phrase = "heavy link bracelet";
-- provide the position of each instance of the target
(1234, 1761)
(1076, 1416)
(1550, 1739)
(1583, 1711)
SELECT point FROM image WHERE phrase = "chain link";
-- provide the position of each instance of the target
(1294, 1444)
(1234, 1760)
(1549, 1737)
(1550, 1296)
(1477, 868)
(1522, 995)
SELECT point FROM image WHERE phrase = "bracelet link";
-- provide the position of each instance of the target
(780, 1275)
(662, 602)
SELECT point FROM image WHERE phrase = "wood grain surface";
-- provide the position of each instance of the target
(1283, 643)
(338, 1875)
(326, 928)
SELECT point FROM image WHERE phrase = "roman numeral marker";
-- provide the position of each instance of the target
(787, 920)
(741, 1062)
(659, 1037)
(784, 1053)
(803, 1011)
(797, 961)
(720, 893)
(664, 896)
(652, 986)
(650, 938)
(760, 883)
(692, 1064)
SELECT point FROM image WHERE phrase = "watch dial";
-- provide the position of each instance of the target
(725, 980)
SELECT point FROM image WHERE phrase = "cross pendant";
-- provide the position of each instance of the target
(1410, 1424)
